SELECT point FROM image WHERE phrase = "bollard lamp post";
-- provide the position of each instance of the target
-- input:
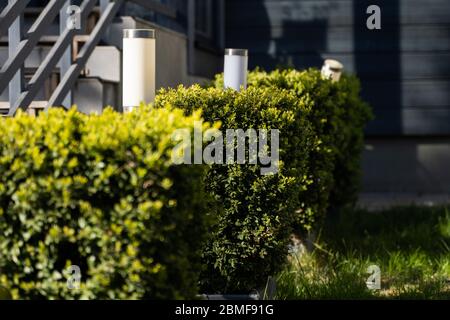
(332, 69)
(139, 64)
(235, 69)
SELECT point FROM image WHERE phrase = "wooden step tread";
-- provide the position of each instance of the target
(35, 106)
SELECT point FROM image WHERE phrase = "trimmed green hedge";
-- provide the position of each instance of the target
(103, 193)
(338, 116)
(255, 212)
(99, 192)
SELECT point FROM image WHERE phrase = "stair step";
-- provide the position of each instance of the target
(34, 108)
(105, 61)
(90, 94)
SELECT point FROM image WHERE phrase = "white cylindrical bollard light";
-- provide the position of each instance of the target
(139, 64)
(332, 69)
(235, 69)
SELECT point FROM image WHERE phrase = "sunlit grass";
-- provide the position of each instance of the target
(409, 245)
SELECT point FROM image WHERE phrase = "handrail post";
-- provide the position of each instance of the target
(191, 36)
(70, 77)
(66, 59)
(15, 36)
(103, 7)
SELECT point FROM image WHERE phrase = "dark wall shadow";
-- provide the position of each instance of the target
(250, 33)
(274, 40)
(301, 44)
(295, 33)
(277, 33)
(381, 77)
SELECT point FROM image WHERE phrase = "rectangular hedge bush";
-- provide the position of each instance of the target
(255, 212)
(338, 116)
(101, 193)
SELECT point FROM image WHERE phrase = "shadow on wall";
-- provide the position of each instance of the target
(390, 164)
(301, 44)
(301, 33)
(283, 34)
(381, 76)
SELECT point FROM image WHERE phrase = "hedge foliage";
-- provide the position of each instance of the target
(100, 192)
(255, 212)
(338, 116)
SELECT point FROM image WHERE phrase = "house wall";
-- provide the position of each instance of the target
(407, 165)
(171, 52)
(404, 69)
(207, 55)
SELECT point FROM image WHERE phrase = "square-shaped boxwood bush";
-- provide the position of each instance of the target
(101, 193)
(255, 212)
(338, 116)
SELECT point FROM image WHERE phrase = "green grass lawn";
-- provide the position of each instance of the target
(410, 245)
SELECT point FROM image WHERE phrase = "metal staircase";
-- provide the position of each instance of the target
(63, 52)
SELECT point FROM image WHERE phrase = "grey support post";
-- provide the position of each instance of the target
(66, 60)
(15, 36)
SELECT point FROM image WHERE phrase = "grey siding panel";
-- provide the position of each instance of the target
(422, 94)
(404, 67)
(424, 109)
(414, 122)
(424, 122)
(335, 12)
(427, 38)
(380, 66)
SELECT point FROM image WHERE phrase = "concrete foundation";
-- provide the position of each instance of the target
(409, 170)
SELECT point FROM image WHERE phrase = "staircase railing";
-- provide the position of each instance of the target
(22, 42)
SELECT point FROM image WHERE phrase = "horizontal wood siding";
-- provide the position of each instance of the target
(404, 67)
